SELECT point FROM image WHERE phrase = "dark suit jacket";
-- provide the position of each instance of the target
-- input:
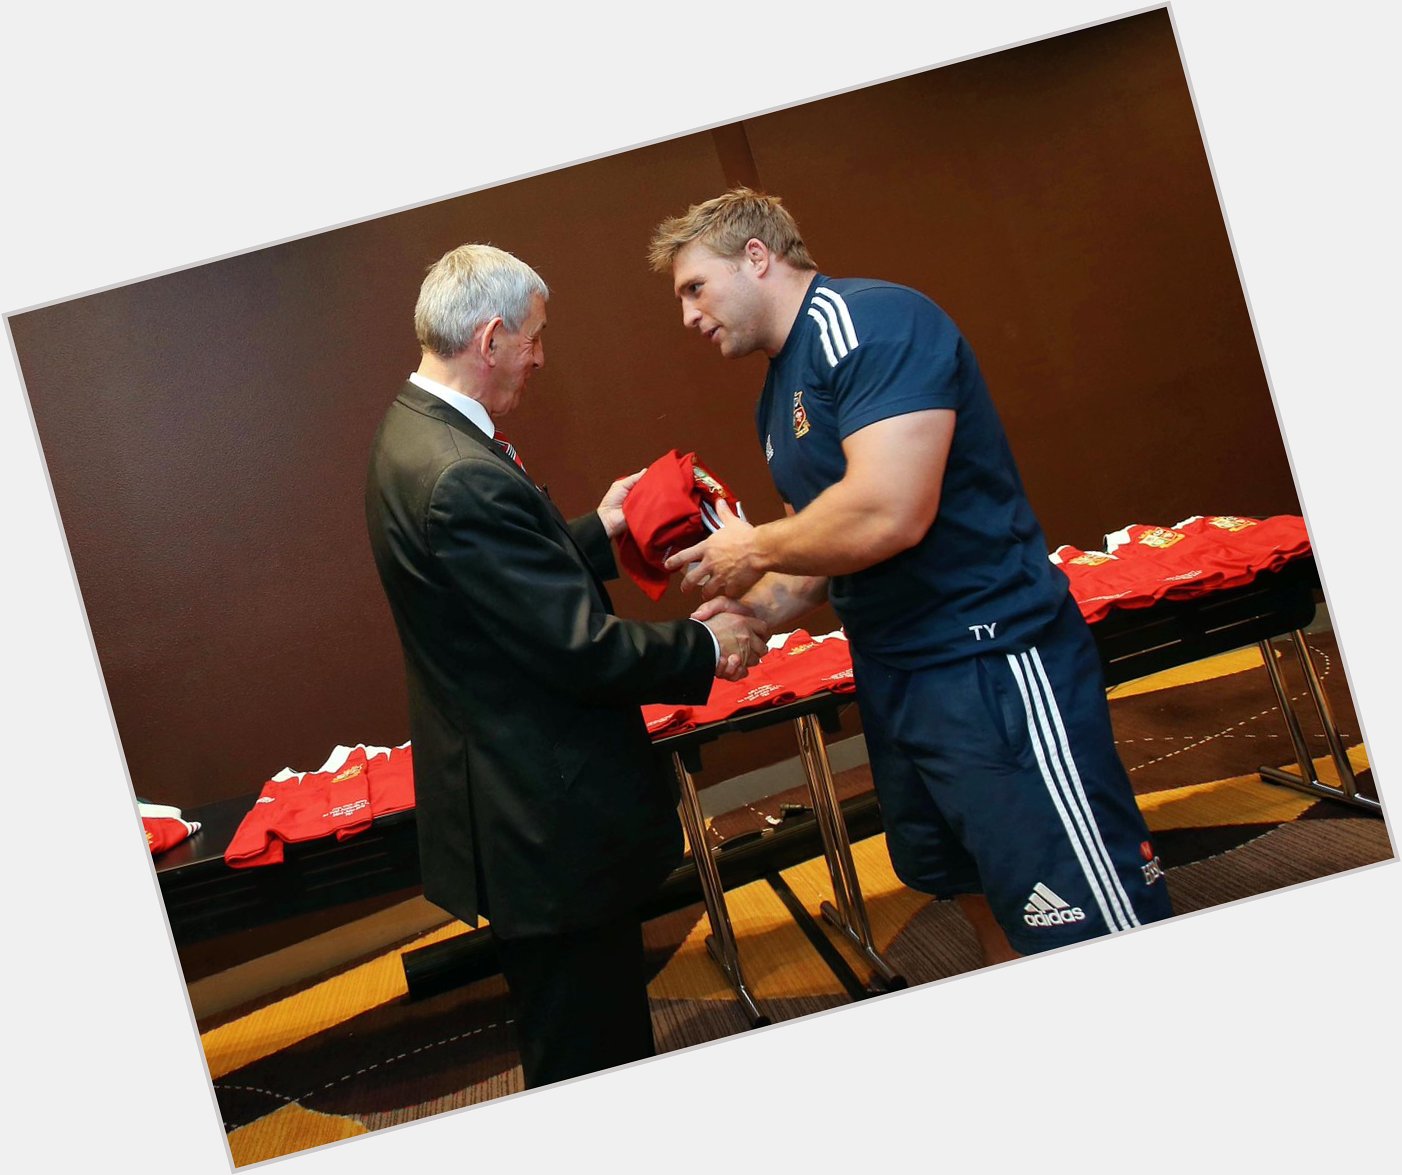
(540, 803)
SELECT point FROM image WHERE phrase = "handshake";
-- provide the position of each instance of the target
(742, 635)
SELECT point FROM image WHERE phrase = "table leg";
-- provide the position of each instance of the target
(720, 943)
(850, 915)
(1306, 780)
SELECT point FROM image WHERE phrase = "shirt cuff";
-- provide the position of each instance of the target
(715, 640)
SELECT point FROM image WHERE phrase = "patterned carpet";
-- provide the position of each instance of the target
(350, 1054)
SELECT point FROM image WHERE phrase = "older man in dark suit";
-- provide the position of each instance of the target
(540, 803)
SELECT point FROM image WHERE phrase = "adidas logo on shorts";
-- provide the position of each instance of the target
(1045, 908)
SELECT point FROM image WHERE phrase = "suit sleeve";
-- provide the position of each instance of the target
(529, 594)
(593, 540)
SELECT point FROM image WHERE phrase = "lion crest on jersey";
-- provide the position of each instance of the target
(1161, 537)
(349, 773)
(800, 415)
(703, 477)
(1231, 522)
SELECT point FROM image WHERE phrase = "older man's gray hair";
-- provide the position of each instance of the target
(469, 286)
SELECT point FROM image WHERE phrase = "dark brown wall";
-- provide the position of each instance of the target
(1056, 200)
(206, 431)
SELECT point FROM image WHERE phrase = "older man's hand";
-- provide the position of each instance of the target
(611, 506)
(742, 643)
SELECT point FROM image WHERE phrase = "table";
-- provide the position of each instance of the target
(849, 914)
(205, 898)
(1135, 643)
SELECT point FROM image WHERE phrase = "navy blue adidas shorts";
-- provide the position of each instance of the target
(998, 775)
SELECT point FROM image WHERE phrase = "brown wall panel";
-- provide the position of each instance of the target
(206, 431)
(1056, 200)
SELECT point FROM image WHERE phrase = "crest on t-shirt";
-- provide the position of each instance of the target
(800, 415)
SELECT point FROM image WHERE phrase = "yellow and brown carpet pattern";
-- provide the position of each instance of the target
(351, 1054)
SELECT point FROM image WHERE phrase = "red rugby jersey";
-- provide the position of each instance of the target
(810, 664)
(672, 507)
(389, 775)
(294, 807)
(1260, 544)
(757, 690)
(1176, 565)
(663, 718)
(165, 826)
(1100, 582)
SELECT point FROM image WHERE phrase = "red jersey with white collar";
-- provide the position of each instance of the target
(809, 664)
(165, 826)
(390, 770)
(1176, 565)
(1100, 582)
(757, 690)
(798, 665)
(293, 807)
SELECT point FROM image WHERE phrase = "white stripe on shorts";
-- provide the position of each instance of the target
(1080, 796)
(1068, 797)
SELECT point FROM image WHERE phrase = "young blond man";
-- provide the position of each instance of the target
(979, 685)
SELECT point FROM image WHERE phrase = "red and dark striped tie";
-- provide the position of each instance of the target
(509, 449)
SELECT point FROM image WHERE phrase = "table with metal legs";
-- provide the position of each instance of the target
(1275, 605)
(1308, 779)
(205, 898)
(1132, 644)
(847, 912)
(849, 916)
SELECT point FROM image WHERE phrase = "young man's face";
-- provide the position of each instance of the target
(721, 298)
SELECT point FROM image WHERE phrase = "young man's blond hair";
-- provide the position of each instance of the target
(725, 223)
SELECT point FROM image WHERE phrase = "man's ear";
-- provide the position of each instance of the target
(486, 341)
(758, 256)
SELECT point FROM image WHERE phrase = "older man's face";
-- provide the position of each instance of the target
(518, 354)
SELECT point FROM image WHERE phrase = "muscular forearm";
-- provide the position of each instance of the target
(778, 600)
(885, 503)
(844, 529)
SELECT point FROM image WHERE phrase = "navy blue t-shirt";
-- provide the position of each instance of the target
(980, 581)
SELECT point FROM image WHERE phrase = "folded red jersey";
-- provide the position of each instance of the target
(391, 784)
(672, 507)
(798, 665)
(294, 807)
(1100, 582)
(1176, 565)
(664, 718)
(1260, 544)
(755, 691)
(808, 664)
(165, 826)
